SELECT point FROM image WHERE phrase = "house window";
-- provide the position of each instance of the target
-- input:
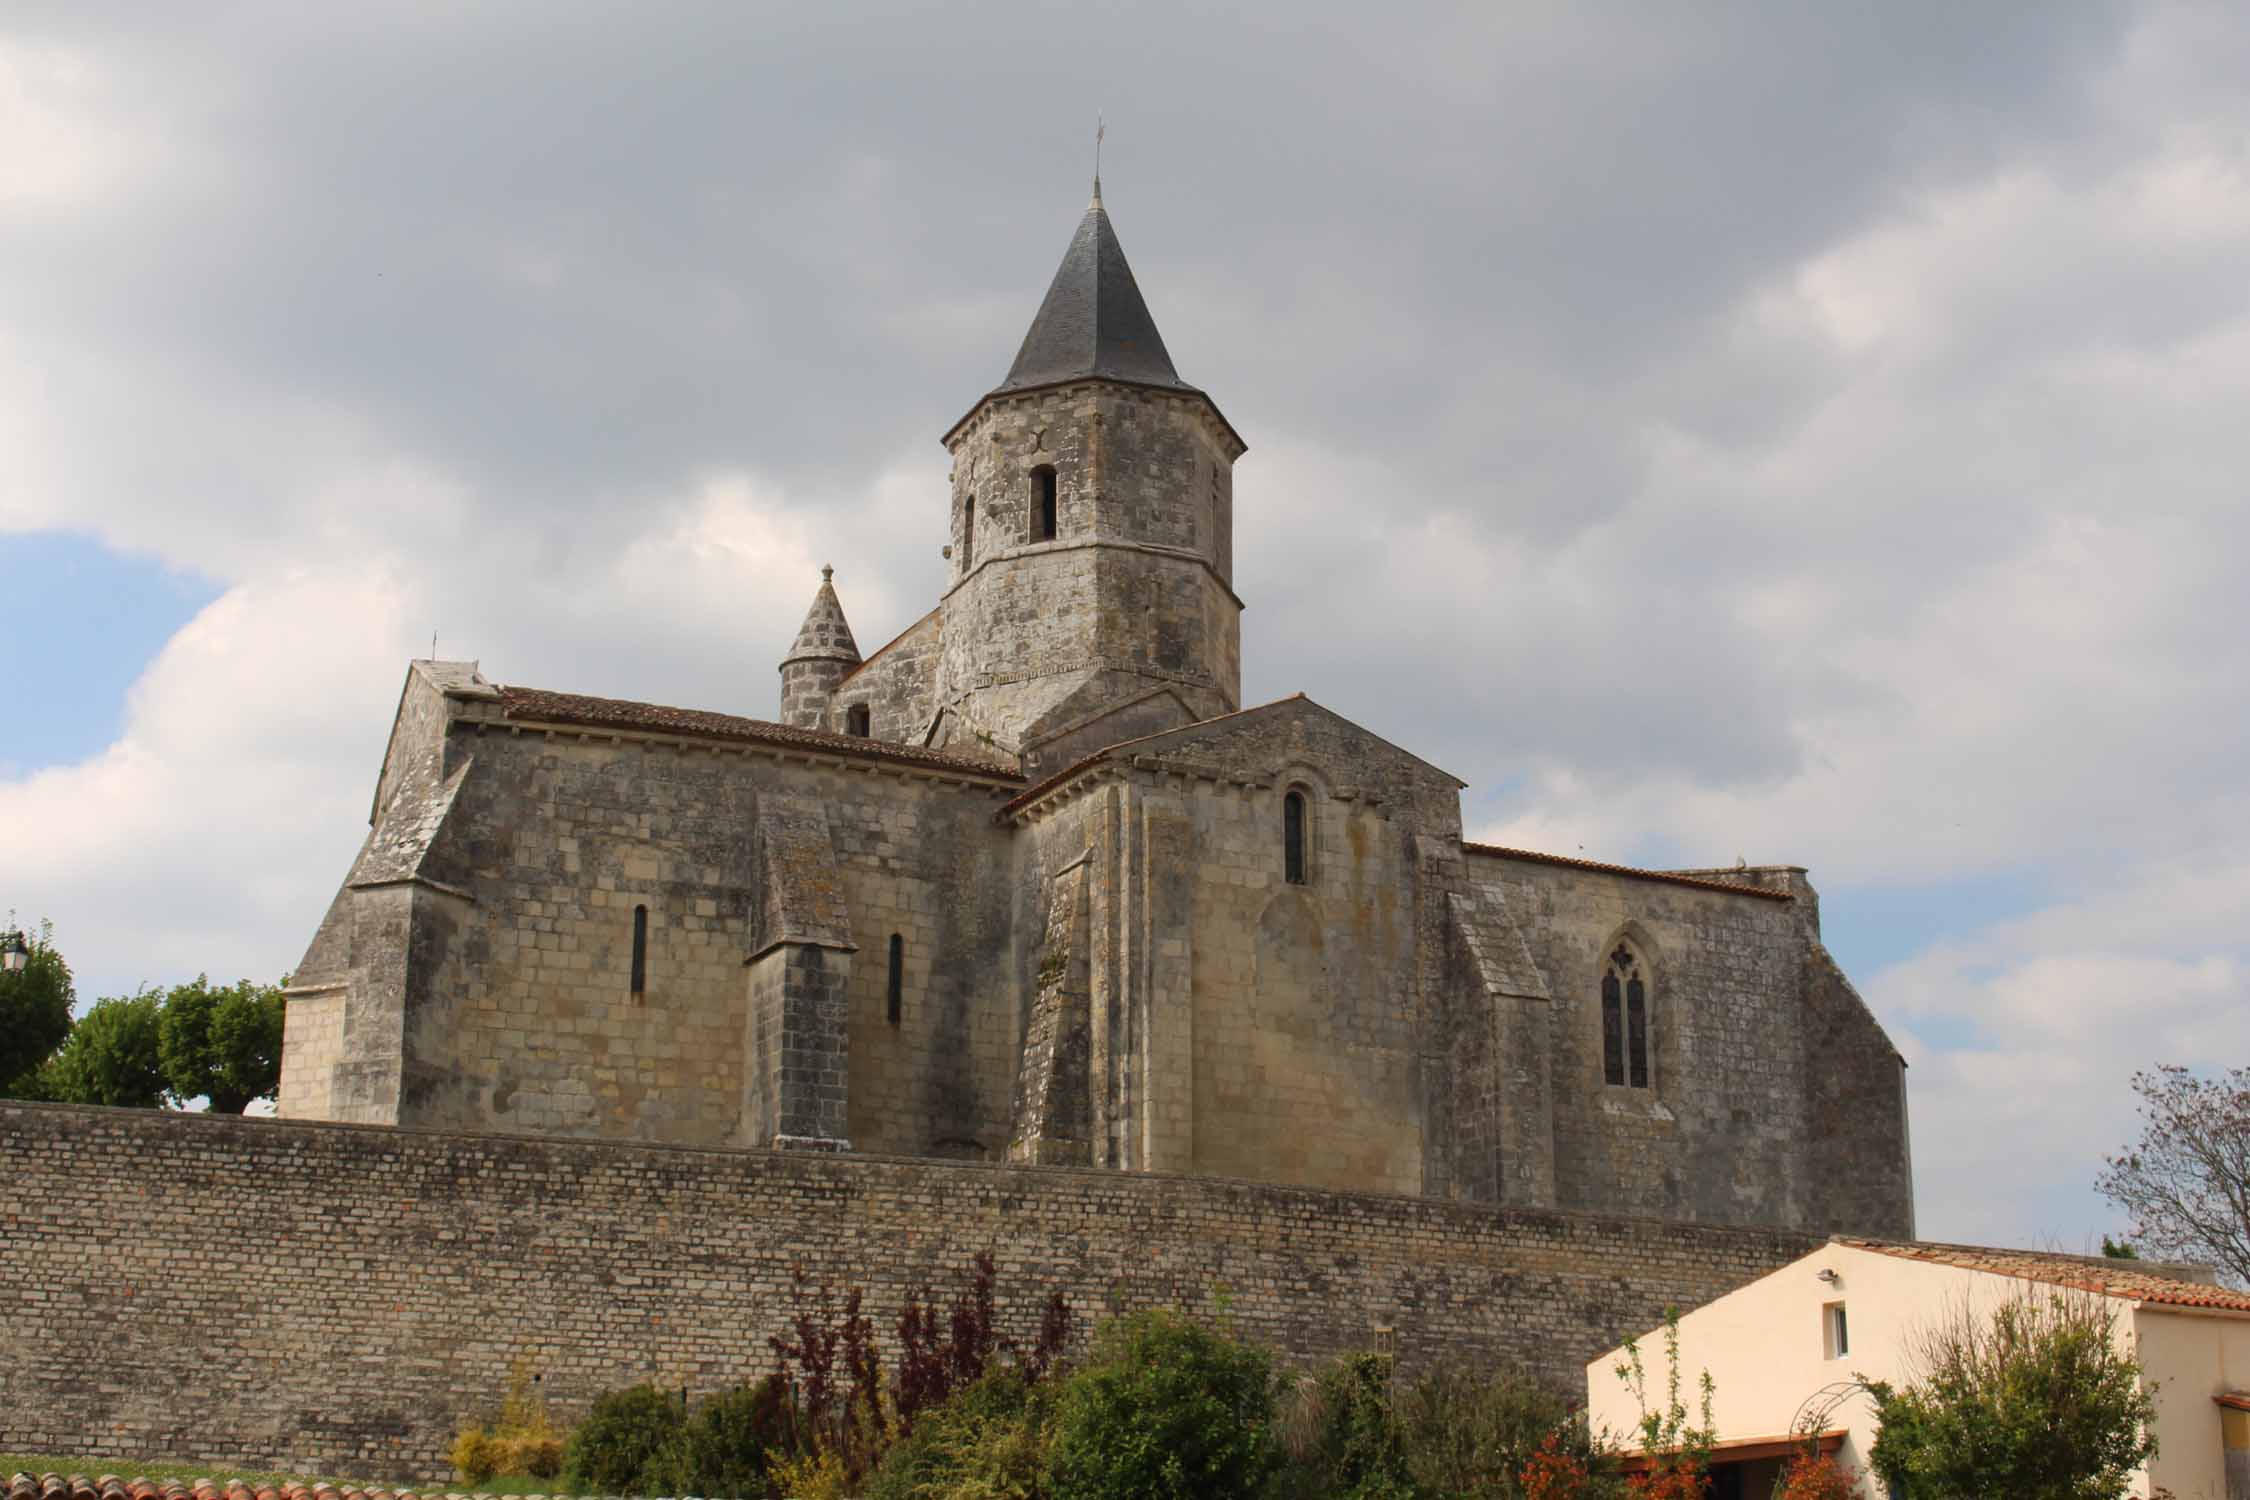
(897, 989)
(1836, 1338)
(1293, 838)
(640, 952)
(1043, 484)
(968, 532)
(855, 720)
(1624, 1020)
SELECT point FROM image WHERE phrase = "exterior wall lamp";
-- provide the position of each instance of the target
(1827, 1276)
(14, 951)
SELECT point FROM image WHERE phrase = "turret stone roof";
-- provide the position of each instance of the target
(1093, 322)
(825, 632)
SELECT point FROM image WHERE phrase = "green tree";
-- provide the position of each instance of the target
(34, 1012)
(223, 1043)
(1165, 1410)
(111, 1056)
(2033, 1401)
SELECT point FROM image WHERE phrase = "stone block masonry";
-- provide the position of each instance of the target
(295, 1294)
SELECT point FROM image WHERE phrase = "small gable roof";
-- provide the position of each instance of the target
(2081, 1273)
(1154, 744)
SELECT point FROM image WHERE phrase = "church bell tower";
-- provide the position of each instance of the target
(1090, 598)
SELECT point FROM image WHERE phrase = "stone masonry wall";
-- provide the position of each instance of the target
(267, 1292)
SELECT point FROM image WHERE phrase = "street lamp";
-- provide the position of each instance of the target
(14, 952)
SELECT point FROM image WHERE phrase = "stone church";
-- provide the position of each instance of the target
(1030, 883)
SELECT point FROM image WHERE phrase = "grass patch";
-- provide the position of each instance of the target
(164, 1472)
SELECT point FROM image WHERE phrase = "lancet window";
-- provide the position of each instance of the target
(1625, 1020)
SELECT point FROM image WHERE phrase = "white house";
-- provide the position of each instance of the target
(1783, 1351)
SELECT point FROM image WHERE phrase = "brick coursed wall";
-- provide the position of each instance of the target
(289, 1293)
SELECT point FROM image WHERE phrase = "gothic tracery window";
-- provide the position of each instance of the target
(1624, 1020)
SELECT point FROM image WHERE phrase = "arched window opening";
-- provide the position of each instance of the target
(1624, 1020)
(968, 532)
(1293, 838)
(855, 720)
(640, 953)
(1043, 480)
(897, 990)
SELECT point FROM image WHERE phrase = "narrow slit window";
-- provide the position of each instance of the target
(640, 951)
(897, 991)
(1636, 1031)
(968, 532)
(1293, 838)
(1043, 479)
(855, 720)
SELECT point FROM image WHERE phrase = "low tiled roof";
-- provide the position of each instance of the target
(535, 705)
(2084, 1273)
(1669, 877)
(110, 1487)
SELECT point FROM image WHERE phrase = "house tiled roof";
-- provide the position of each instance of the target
(1669, 877)
(2084, 1273)
(110, 1487)
(535, 705)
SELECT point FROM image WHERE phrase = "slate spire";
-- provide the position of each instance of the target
(825, 635)
(1093, 322)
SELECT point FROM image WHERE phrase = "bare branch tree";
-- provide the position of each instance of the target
(2187, 1182)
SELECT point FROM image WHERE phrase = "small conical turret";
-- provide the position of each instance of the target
(823, 656)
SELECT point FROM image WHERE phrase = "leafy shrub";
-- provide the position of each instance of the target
(1555, 1472)
(1816, 1477)
(475, 1455)
(613, 1451)
(818, 1475)
(731, 1444)
(1165, 1410)
(989, 1442)
(1474, 1435)
(520, 1442)
(2032, 1401)
(1340, 1436)
(538, 1454)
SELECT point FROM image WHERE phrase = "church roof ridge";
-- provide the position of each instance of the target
(538, 705)
(1669, 877)
(872, 656)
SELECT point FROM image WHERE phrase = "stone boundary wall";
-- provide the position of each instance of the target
(297, 1294)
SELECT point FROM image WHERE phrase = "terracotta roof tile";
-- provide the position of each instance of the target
(535, 705)
(109, 1486)
(2084, 1273)
(1702, 882)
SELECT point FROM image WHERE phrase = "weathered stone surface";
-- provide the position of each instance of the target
(337, 1298)
(1041, 908)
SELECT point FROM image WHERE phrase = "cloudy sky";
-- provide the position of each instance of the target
(1809, 434)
